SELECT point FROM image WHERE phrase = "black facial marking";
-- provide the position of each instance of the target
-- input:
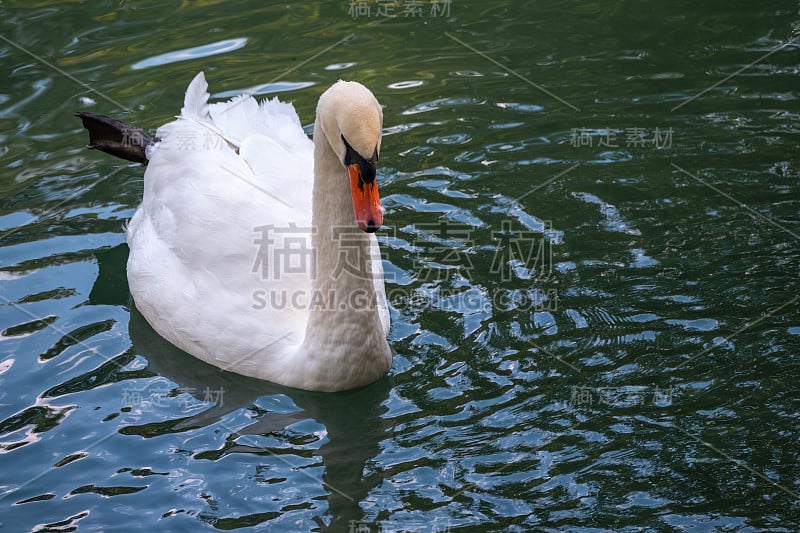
(368, 167)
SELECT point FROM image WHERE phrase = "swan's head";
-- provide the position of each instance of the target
(351, 120)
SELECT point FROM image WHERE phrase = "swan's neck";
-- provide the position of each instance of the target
(344, 331)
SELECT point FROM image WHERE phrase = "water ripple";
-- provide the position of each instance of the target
(196, 52)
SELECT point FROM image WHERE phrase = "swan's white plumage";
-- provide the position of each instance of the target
(220, 172)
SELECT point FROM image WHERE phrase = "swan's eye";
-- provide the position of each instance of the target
(368, 167)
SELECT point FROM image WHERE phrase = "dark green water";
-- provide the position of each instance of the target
(591, 243)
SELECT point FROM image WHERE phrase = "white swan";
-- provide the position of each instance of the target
(253, 248)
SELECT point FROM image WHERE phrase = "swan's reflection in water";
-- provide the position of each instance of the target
(352, 420)
(353, 426)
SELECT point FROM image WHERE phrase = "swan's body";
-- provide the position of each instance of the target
(231, 189)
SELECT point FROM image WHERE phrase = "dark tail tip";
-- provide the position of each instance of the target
(115, 137)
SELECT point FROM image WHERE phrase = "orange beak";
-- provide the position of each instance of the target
(366, 201)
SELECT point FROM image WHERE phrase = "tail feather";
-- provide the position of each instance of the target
(115, 137)
(195, 103)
